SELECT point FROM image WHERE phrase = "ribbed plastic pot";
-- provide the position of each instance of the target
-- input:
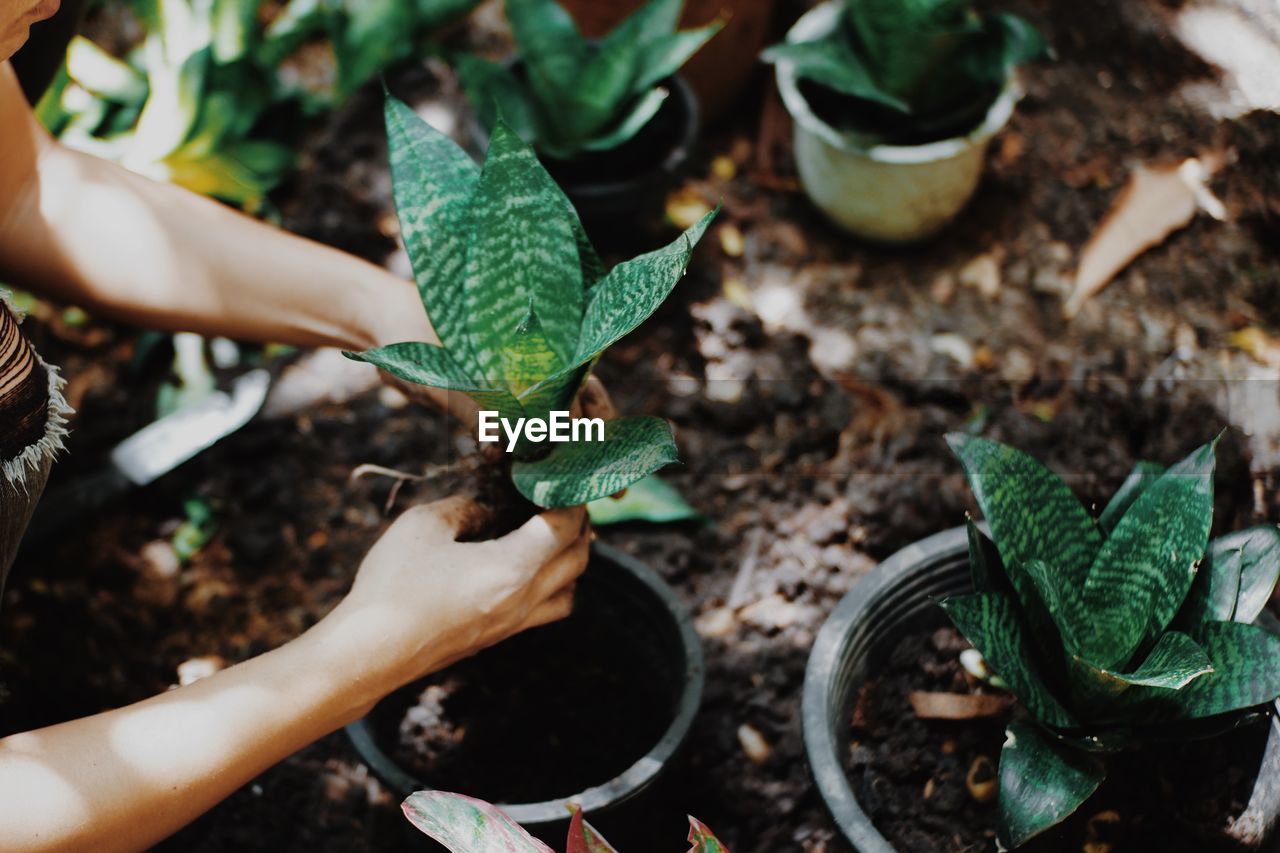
(619, 587)
(885, 193)
(612, 190)
(898, 595)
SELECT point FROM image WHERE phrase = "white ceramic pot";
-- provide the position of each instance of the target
(888, 193)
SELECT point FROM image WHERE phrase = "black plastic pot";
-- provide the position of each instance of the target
(899, 596)
(615, 587)
(613, 189)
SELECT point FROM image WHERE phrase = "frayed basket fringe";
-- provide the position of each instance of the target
(16, 470)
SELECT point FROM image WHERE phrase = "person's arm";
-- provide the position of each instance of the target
(125, 779)
(85, 231)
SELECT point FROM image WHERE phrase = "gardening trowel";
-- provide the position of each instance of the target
(153, 451)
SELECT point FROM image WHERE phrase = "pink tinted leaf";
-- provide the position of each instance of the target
(466, 825)
(583, 837)
(702, 839)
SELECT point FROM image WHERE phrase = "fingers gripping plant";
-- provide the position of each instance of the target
(932, 67)
(1128, 628)
(577, 95)
(466, 825)
(521, 302)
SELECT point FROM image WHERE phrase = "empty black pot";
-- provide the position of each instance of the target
(897, 596)
(636, 606)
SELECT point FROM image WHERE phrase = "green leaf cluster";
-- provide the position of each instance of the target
(572, 95)
(1129, 627)
(188, 104)
(466, 825)
(521, 302)
(916, 69)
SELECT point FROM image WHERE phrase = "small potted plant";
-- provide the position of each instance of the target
(523, 308)
(610, 119)
(465, 825)
(894, 104)
(1118, 658)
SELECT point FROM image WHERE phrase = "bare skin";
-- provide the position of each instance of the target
(80, 230)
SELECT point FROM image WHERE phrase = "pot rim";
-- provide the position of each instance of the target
(625, 785)
(819, 21)
(824, 749)
(681, 93)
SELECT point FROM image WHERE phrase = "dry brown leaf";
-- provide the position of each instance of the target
(956, 706)
(1156, 201)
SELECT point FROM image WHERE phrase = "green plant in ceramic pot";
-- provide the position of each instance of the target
(1111, 632)
(466, 825)
(894, 102)
(608, 116)
(523, 306)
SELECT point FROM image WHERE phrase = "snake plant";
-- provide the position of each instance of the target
(917, 69)
(521, 302)
(1112, 631)
(575, 95)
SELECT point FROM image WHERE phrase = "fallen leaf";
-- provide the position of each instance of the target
(1155, 202)
(753, 744)
(686, 207)
(957, 706)
(732, 242)
(982, 274)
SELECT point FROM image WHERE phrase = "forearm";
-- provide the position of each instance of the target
(85, 231)
(124, 779)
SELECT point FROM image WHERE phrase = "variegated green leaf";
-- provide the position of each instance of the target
(652, 499)
(631, 124)
(1053, 608)
(435, 367)
(496, 93)
(1237, 577)
(578, 473)
(1246, 673)
(523, 250)
(1174, 662)
(1042, 783)
(434, 181)
(702, 839)
(1142, 476)
(466, 825)
(554, 52)
(984, 561)
(833, 64)
(1145, 568)
(990, 621)
(1032, 514)
(527, 358)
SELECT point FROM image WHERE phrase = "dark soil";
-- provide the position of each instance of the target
(910, 774)
(545, 715)
(810, 379)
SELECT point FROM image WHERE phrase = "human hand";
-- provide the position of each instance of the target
(423, 600)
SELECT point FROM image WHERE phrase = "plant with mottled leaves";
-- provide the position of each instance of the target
(466, 825)
(521, 302)
(919, 69)
(577, 95)
(1112, 631)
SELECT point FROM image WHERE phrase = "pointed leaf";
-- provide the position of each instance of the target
(1144, 570)
(652, 499)
(831, 63)
(1246, 673)
(554, 52)
(1237, 577)
(984, 561)
(989, 620)
(495, 92)
(646, 108)
(433, 366)
(465, 825)
(583, 837)
(1142, 476)
(667, 55)
(1054, 607)
(702, 839)
(523, 249)
(527, 358)
(1174, 662)
(433, 181)
(1042, 783)
(581, 472)
(1032, 514)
